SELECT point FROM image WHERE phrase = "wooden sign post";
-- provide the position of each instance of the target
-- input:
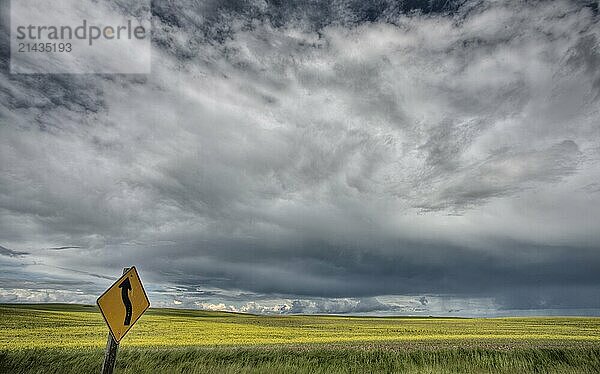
(121, 306)
(110, 356)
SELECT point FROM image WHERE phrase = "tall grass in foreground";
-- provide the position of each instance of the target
(306, 360)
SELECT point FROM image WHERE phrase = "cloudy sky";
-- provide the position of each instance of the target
(345, 156)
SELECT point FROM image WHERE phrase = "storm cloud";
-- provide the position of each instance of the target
(318, 157)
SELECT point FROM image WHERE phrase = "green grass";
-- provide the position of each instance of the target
(310, 360)
(70, 339)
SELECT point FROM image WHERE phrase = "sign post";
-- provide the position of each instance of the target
(121, 306)
(110, 356)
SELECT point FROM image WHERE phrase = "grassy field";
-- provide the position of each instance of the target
(70, 339)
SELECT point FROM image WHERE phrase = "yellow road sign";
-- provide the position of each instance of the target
(123, 304)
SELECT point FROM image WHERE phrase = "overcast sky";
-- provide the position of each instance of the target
(433, 157)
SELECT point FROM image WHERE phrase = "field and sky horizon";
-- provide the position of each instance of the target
(41, 326)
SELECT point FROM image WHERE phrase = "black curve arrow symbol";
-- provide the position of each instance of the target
(125, 287)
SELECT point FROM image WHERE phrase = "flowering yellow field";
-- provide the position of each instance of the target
(70, 339)
(58, 326)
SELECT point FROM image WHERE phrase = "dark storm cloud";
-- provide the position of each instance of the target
(10, 252)
(316, 157)
(503, 172)
(212, 19)
(63, 247)
(362, 305)
(404, 269)
(85, 273)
